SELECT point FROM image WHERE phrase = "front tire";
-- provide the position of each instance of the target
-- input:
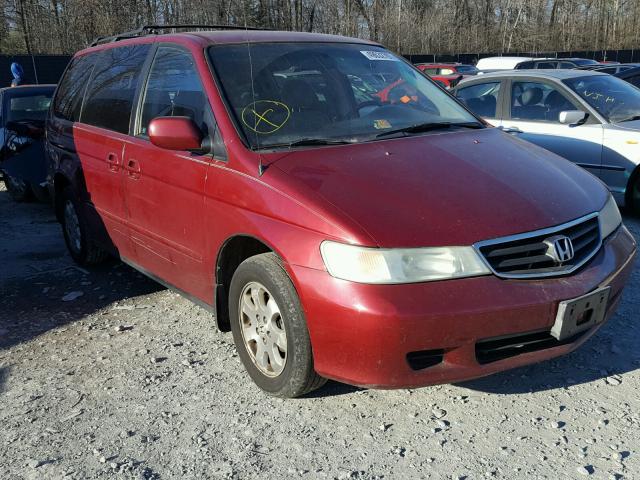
(77, 234)
(270, 330)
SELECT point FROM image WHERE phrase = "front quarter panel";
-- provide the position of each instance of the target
(620, 158)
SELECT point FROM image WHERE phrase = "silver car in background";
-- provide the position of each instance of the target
(590, 118)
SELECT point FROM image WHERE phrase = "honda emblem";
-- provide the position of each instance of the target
(559, 248)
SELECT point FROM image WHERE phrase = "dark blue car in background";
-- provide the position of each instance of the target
(23, 166)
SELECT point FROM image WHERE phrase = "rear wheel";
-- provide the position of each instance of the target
(77, 235)
(269, 328)
(19, 190)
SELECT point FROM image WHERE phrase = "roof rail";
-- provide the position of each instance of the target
(155, 30)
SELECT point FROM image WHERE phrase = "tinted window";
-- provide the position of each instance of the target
(525, 65)
(537, 101)
(546, 65)
(68, 99)
(32, 107)
(482, 99)
(567, 65)
(173, 89)
(467, 69)
(430, 71)
(109, 98)
(634, 80)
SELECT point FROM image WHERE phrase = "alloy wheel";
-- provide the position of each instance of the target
(263, 329)
(72, 227)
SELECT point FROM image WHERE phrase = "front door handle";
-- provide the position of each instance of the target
(113, 162)
(133, 168)
(511, 129)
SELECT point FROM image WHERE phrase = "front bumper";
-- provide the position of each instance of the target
(368, 335)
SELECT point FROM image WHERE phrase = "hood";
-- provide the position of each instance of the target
(452, 188)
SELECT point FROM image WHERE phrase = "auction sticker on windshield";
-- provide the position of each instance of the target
(374, 55)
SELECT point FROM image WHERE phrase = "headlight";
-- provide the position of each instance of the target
(400, 265)
(609, 218)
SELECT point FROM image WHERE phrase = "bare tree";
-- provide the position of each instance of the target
(408, 26)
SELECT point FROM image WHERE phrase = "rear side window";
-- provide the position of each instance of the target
(482, 98)
(109, 98)
(546, 65)
(32, 107)
(174, 89)
(68, 99)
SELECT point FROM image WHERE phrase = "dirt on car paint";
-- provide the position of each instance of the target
(106, 374)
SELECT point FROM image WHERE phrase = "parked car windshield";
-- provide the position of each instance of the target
(584, 61)
(614, 99)
(467, 69)
(287, 93)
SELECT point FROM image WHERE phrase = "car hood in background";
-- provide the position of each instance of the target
(452, 188)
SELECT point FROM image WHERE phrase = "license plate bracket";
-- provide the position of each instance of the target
(581, 313)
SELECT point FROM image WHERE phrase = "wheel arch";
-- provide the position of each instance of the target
(60, 182)
(232, 253)
(635, 177)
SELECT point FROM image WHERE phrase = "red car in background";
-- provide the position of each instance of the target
(449, 74)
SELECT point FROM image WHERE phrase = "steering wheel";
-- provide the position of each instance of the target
(367, 104)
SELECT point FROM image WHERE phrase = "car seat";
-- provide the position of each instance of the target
(529, 108)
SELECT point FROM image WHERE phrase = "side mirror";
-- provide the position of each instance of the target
(175, 133)
(572, 117)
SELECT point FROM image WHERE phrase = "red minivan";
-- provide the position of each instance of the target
(383, 243)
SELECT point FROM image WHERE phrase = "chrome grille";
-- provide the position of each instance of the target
(531, 254)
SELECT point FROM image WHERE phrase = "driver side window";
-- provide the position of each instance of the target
(173, 89)
(538, 102)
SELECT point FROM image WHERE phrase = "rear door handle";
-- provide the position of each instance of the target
(133, 168)
(511, 129)
(113, 162)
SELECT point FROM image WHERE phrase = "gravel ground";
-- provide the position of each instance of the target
(106, 374)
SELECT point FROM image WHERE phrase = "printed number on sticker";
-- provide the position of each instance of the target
(375, 55)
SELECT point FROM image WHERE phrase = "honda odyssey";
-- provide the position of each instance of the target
(383, 240)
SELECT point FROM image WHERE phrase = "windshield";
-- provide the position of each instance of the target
(584, 61)
(614, 99)
(468, 69)
(285, 93)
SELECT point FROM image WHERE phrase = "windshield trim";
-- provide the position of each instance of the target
(260, 149)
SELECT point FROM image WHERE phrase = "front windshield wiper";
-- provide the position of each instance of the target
(630, 119)
(307, 142)
(426, 127)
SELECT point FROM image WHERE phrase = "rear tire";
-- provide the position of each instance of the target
(270, 330)
(77, 235)
(19, 190)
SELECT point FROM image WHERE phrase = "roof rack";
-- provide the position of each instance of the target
(155, 30)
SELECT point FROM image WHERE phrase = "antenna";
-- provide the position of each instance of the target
(261, 168)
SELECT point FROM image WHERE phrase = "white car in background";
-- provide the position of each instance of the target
(500, 63)
(590, 118)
